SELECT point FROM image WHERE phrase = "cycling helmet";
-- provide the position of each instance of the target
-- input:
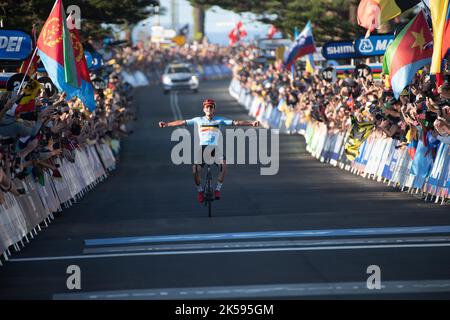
(209, 102)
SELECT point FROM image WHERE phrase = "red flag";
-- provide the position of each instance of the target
(242, 32)
(272, 31)
(33, 67)
(237, 33)
(233, 36)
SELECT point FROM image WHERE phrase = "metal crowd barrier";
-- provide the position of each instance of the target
(22, 217)
(379, 159)
(212, 71)
(136, 78)
(203, 72)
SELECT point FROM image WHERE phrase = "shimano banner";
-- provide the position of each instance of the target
(339, 50)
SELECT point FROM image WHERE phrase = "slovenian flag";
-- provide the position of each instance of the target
(56, 52)
(409, 52)
(303, 45)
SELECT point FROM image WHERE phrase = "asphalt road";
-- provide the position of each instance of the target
(310, 231)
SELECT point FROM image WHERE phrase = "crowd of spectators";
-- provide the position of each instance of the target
(32, 139)
(152, 58)
(422, 110)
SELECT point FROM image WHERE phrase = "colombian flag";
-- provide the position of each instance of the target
(440, 16)
(56, 51)
(373, 13)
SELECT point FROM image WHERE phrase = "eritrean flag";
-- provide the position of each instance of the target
(56, 51)
(86, 90)
(440, 15)
(373, 13)
(409, 52)
(303, 45)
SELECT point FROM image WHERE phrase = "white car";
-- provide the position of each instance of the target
(179, 76)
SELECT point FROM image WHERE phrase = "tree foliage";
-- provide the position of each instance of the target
(24, 13)
(331, 19)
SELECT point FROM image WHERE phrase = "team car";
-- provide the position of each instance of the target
(179, 76)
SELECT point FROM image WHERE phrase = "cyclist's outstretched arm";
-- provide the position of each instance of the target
(245, 123)
(175, 123)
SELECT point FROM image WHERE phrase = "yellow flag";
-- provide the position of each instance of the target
(360, 131)
(30, 91)
(438, 9)
(179, 40)
(309, 64)
(279, 53)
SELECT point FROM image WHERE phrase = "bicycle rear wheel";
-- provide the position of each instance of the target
(209, 192)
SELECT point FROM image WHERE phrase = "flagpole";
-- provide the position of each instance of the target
(28, 69)
(34, 53)
(293, 64)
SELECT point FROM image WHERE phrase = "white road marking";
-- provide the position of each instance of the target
(177, 106)
(227, 251)
(265, 291)
(172, 106)
(259, 244)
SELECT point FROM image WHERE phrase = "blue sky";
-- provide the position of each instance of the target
(218, 21)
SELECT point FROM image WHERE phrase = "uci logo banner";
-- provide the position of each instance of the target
(15, 45)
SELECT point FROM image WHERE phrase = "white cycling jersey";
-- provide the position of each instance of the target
(209, 130)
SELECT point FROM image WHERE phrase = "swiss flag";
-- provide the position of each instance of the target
(237, 33)
(242, 32)
(233, 36)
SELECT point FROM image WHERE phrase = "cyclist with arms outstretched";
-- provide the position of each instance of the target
(209, 132)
